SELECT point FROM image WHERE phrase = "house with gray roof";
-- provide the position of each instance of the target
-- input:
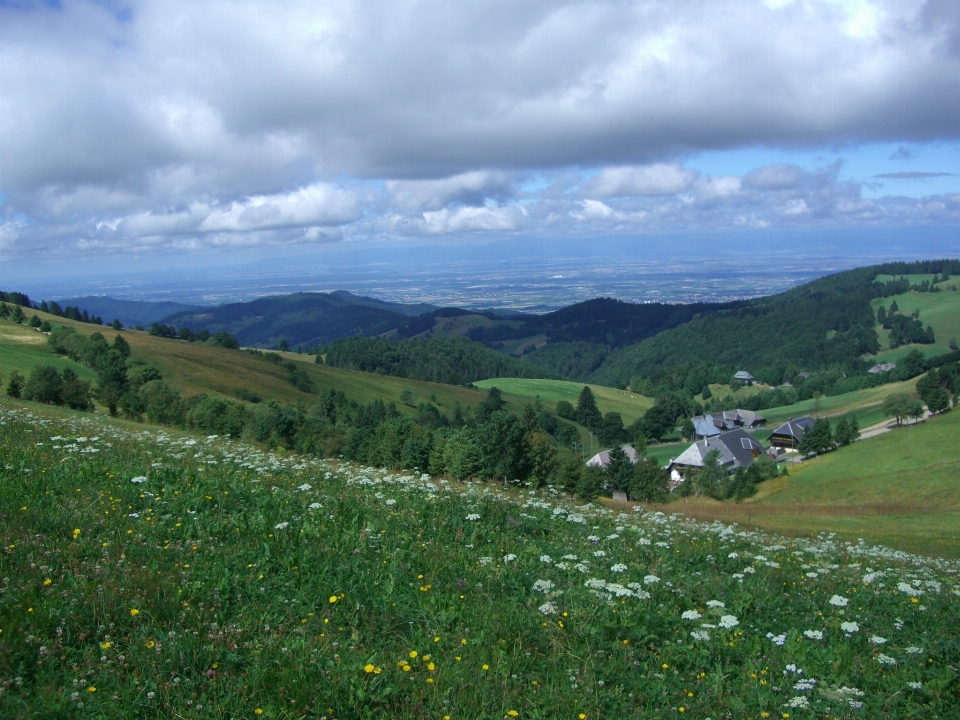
(742, 375)
(791, 432)
(715, 423)
(602, 459)
(735, 448)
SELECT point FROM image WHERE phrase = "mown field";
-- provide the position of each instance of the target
(630, 405)
(865, 405)
(901, 489)
(193, 368)
(939, 310)
(148, 573)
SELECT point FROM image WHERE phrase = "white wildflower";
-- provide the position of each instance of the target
(281, 526)
(885, 659)
(305, 487)
(798, 702)
(618, 568)
(548, 608)
(473, 516)
(485, 560)
(509, 557)
(139, 480)
(391, 501)
(690, 615)
(915, 685)
(813, 634)
(701, 635)
(728, 622)
(546, 559)
(913, 650)
(849, 627)
(543, 586)
(777, 639)
(650, 579)
(314, 506)
(908, 589)
(877, 640)
(715, 604)
(838, 601)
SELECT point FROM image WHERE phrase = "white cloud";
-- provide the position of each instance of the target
(185, 124)
(474, 219)
(472, 188)
(657, 179)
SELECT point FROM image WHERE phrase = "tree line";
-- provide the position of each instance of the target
(451, 360)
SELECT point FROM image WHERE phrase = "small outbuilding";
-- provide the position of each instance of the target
(743, 376)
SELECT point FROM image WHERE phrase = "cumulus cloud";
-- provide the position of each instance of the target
(656, 179)
(471, 188)
(177, 123)
(473, 219)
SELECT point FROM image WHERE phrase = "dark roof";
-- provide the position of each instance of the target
(741, 445)
(794, 428)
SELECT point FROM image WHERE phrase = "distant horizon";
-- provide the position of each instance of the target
(448, 277)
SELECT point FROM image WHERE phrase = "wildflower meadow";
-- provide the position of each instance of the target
(148, 573)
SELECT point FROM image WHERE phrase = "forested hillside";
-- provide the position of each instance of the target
(449, 360)
(305, 319)
(828, 323)
(602, 321)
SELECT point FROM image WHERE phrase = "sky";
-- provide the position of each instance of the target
(146, 137)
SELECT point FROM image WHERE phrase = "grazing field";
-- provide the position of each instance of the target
(939, 310)
(148, 573)
(193, 368)
(901, 489)
(22, 348)
(630, 405)
(865, 405)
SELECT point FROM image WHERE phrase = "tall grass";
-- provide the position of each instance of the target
(147, 573)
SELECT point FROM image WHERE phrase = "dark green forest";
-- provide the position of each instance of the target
(454, 361)
(825, 324)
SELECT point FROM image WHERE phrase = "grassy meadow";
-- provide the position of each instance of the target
(630, 405)
(939, 310)
(900, 489)
(148, 573)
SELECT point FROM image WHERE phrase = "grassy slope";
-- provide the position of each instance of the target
(901, 489)
(630, 405)
(940, 310)
(281, 587)
(23, 348)
(193, 368)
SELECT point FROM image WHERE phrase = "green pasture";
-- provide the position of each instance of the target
(911, 465)
(940, 310)
(630, 405)
(900, 489)
(22, 348)
(156, 574)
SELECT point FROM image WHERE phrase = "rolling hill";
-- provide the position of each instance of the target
(306, 319)
(129, 312)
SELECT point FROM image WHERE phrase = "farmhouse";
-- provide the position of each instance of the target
(705, 426)
(736, 448)
(743, 376)
(602, 459)
(791, 432)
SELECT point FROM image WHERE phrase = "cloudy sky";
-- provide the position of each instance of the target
(165, 129)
